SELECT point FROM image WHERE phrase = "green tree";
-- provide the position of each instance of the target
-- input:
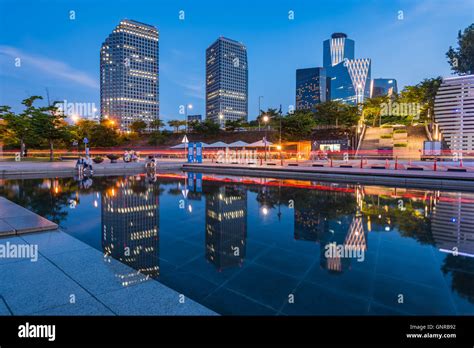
(297, 126)
(103, 135)
(208, 127)
(461, 58)
(138, 126)
(19, 125)
(83, 129)
(176, 124)
(336, 113)
(423, 93)
(156, 124)
(49, 122)
(372, 109)
(232, 125)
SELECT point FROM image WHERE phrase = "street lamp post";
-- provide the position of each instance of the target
(188, 106)
(221, 118)
(280, 112)
(259, 111)
(265, 120)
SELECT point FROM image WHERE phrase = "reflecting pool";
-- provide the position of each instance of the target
(255, 246)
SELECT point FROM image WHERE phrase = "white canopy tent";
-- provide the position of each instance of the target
(217, 144)
(238, 143)
(182, 145)
(260, 143)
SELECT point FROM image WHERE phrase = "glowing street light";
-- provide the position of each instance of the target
(221, 118)
(188, 106)
(265, 120)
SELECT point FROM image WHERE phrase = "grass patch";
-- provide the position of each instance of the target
(399, 131)
(386, 136)
(400, 145)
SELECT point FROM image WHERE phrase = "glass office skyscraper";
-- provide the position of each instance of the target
(311, 88)
(380, 87)
(226, 81)
(129, 85)
(350, 77)
(337, 49)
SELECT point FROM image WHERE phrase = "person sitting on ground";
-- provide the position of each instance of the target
(80, 165)
(126, 157)
(151, 163)
(88, 165)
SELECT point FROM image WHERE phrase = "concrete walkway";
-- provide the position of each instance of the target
(27, 169)
(69, 277)
(15, 219)
(404, 178)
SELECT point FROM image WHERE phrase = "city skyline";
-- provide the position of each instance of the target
(71, 72)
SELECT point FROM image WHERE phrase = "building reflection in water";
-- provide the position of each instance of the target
(226, 226)
(130, 227)
(332, 217)
(452, 223)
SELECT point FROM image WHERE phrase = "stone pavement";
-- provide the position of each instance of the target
(370, 176)
(15, 219)
(29, 169)
(71, 278)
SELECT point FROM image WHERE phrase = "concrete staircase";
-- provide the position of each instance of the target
(404, 142)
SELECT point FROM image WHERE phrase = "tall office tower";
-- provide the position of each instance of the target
(226, 81)
(382, 87)
(454, 112)
(311, 88)
(226, 226)
(350, 77)
(129, 81)
(337, 49)
(130, 228)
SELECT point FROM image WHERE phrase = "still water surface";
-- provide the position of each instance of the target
(253, 246)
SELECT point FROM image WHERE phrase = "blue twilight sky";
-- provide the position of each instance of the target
(63, 54)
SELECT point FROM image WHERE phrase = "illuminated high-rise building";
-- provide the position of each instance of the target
(226, 226)
(226, 81)
(382, 87)
(130, 228)
(129, 79)
(311, 88)
(454, 112)
(350, 77)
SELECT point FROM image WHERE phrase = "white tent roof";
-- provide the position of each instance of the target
(218, 144)
(259, 143)
(181, 146)
(238, 144)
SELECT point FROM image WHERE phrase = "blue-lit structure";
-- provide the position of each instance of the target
(350, 77)
(311, 88)
(381, 87)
